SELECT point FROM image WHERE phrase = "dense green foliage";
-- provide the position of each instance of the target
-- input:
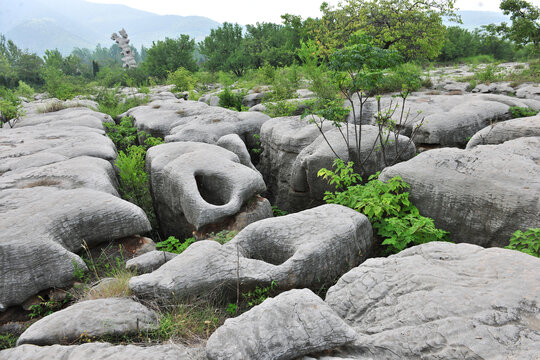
(519, 112)
(168, 55)
(10, 107)
(182, 79)
(396, 220)
(527, 242)
(231, 99)
(174, 245)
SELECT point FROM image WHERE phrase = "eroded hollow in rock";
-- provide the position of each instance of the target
(213, 188)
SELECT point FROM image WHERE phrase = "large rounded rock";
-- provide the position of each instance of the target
(500, 132)
(102, 351)
(442, 301)
(482, 195)
(292, 324)
(91, 318)
(307, 249)
(196, 184)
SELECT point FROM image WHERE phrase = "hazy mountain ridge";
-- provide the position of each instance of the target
(64, 24)
(38, 25)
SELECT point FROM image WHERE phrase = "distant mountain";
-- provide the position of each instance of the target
(475, 19)
(38, 25)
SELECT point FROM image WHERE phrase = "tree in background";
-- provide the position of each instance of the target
(525, 28)
(225, 49)
(168, 55)
(16, 65)
(412, 27)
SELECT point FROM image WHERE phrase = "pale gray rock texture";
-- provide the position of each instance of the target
(528, 91)
(102, 351)
(233, 143)
(294, 323)
(506, 130)
(92, 318)
(150, 261)
(39, 106)
(441, 301)
(180, 120)
(196, 184)
(294, 151)
(482, 195)
(447, 120)
(307, 249)
(57, 193)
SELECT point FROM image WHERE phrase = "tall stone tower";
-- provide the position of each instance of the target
(123, 42)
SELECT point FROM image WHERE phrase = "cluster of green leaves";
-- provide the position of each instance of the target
(10, 107)
(527, 242)
(123, 134)
(252, 298)
(182, 79)
(278, 212)
(47, 307)
(168, 55)
(110, 103)
(281, 108)
(174, 245)
(7, 341)
(397, 221)
(231, 99)
(519, 112)
(224, 236)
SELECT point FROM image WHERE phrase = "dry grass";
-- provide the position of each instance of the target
(116, 286)
(40, 182)
(52, 107)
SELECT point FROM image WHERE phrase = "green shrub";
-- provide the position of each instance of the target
(124, 134)
(278, 212)
(182, 79)
(406, 76)
(527, 242)
(174, 245)
(25, 90)
(396, 220)
(488, 75)
(7, 341)
(230, 99)
(519, 112)
(223, 236)
(258, 295)
(57, 84)
(225, 79)
(10, 107)
(281, 108)
(110, 103)
(286, 82)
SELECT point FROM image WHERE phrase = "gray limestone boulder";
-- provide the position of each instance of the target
(102, 351)
(196, 184)
(73, 116)
(282, 139)
(528, 91)
(149, 262)
(233, 143)
(306, 249)
(306, 189)
(441, 301)
(481, 195)
(506, 130)
(92, 318)
(290, 325)
(180, 120)
(253, 99)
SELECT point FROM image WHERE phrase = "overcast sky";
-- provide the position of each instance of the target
(250, 11)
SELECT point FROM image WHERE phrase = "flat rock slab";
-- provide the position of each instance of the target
(482, 195)
(150, 261)
(442, 301)
(185, 120)
(57, 192)
(102, 351)
(292, 324)
(92, 318)
(500, 132)
(307, 249)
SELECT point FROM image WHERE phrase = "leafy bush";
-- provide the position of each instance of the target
(281, 108)
(7, 341)
(286, 82)
(488, 75)
(223, 236)
(110, 103)
(124, 134)
(174, 245)
(258, 295)
(527, 242)
(519, 112)
(182, 79)
(387, 205)
(25, 90)
(10, 107)
(57, 84)
(230, 99)
(404, 76)
(278, 212)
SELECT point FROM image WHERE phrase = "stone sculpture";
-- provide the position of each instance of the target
(123, 42)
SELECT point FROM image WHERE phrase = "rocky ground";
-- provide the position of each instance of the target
(480, 180)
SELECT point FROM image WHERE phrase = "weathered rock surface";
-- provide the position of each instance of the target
(294, 151)
(292, 324)
(57, 192)
(306, 249)
(150, 261)
(448, 120)
(480, 195)
(233, 143)
(102, 351)
(528, 91)
(92, 318)
(197, 184)
(180, 120)
(506, 130)
(441, 301)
